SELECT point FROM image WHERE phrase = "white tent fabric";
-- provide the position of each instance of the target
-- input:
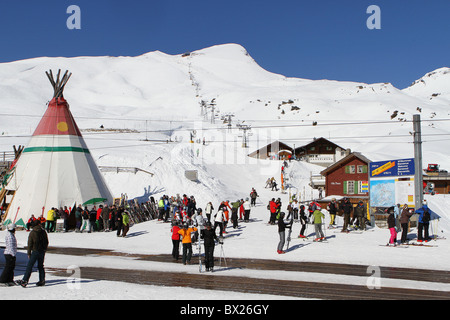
(56, 169)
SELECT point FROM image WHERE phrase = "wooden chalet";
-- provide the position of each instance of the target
(321, 151)
(275, 151)
(348, 177)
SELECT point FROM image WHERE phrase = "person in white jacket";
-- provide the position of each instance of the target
(208, 211)
(199, 222)
(219, 218)
(247, 207)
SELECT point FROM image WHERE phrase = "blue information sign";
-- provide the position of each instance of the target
(392, 168)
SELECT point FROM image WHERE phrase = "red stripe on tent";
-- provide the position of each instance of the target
(57, 120)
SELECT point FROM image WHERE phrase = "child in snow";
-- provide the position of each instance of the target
(391, 226)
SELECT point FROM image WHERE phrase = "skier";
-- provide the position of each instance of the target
(209, 236)
(246, 206)
(424, 223)
(303, 221)
(282, 225)
(187, 242)
(199, 222)
(7, 277)
(175, 240)
(218, 221)
(253, 196)
(191, 207)
(317, 220)
(273, 211)
(391, 227)
(225, 206)
(234, 213)
(294, 206)
(208, 211)
(404, 221)
(274, 185)
(332, 208)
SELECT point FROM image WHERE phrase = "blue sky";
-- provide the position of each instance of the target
(321, 39)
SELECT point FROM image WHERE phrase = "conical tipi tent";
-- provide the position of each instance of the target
(56, 169)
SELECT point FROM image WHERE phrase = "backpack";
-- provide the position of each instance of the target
(85, 214)
(426, 216)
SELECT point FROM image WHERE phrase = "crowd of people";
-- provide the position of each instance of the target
(355, 217)
(191, 223)
(104, 218)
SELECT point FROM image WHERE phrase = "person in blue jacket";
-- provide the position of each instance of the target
(424, 223)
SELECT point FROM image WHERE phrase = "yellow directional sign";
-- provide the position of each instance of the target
(383, 168)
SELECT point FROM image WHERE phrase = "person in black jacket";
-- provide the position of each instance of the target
(303, 221)
(119, 220)
(282, 232)
(92, 219)
(209, 237)
(347, 207)
(37, 246)
(332, 208)
(391, 227)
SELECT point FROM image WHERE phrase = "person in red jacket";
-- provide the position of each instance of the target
(273, 211)
(175, 240)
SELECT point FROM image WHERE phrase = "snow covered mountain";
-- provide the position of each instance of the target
(157, 96)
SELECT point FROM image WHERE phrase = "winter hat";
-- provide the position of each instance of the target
(11, 227)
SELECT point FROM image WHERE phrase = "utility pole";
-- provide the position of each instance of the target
(244, 128)
(212, 105)
(418, 175)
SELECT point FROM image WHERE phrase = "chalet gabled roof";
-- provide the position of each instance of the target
(270, 146)
(344, 160)
(317, 140)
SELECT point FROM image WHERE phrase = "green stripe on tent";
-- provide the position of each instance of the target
(55, 149)
(20, 223)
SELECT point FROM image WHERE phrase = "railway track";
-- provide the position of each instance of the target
(300, 289)
(266, 264)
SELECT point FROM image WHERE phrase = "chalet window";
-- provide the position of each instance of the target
(349, 187)
(350, 169)
(361, 169)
